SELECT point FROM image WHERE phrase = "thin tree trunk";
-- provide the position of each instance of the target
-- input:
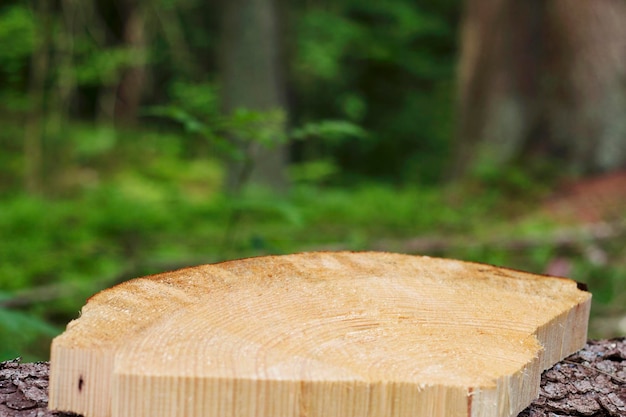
(62, 93)
(130, 87)
(33, 131)
(184, 62)
(252, 78)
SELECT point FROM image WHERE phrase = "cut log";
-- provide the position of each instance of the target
(319, 335)
(592, 379)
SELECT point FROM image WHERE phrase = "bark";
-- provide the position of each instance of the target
(252, 77)
(543, 80)
(592, 382)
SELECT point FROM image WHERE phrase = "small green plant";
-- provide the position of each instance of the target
(23, 334)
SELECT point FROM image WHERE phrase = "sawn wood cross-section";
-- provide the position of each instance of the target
(318, 335)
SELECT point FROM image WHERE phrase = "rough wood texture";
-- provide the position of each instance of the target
(591, 382)
(24, 390)
(319, 335)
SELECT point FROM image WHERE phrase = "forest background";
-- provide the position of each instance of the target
(143, 136)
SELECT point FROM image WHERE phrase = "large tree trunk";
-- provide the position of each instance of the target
(543, 81)
(252, 78)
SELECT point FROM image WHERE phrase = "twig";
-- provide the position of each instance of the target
(561, 237)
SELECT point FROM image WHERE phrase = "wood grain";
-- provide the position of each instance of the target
(318, 335)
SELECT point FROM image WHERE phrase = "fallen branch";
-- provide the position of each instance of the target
(566, 237)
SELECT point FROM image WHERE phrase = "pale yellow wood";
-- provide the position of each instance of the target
(318, 335)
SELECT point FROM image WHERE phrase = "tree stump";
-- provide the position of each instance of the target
(592, 382)
(319, 335)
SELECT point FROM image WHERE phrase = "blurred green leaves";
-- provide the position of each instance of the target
(374, 31)
(23, 331)
(97, 66)
(331, 131)
(370, 123)
(324, 39)
(387, 67)
(18, 37)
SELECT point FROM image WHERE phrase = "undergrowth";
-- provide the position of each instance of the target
(169, 212)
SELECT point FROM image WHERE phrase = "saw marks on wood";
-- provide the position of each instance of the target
(318, 335)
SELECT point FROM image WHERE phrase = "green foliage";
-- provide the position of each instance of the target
(354, 62)
(250, 126)
(19, 38)
(323, 41)
(89, 141)
(166, 213)
(313, 172)
(514, 186)
(198, 99)
(379, 32)
(23, 335)
(196, 109)
(96, 66)
(331, 131)
(370, 122)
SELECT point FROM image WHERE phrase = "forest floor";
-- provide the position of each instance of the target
(590, 383)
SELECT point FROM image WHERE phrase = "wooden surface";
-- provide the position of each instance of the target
(591, 382)
(318, 335)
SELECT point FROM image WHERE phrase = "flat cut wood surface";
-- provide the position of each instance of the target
(318, 335)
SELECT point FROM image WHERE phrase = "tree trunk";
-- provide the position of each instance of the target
(33, 131)
(185, 64)
(252, 78)
(130, 87)
(543, 81)
(64, 89)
